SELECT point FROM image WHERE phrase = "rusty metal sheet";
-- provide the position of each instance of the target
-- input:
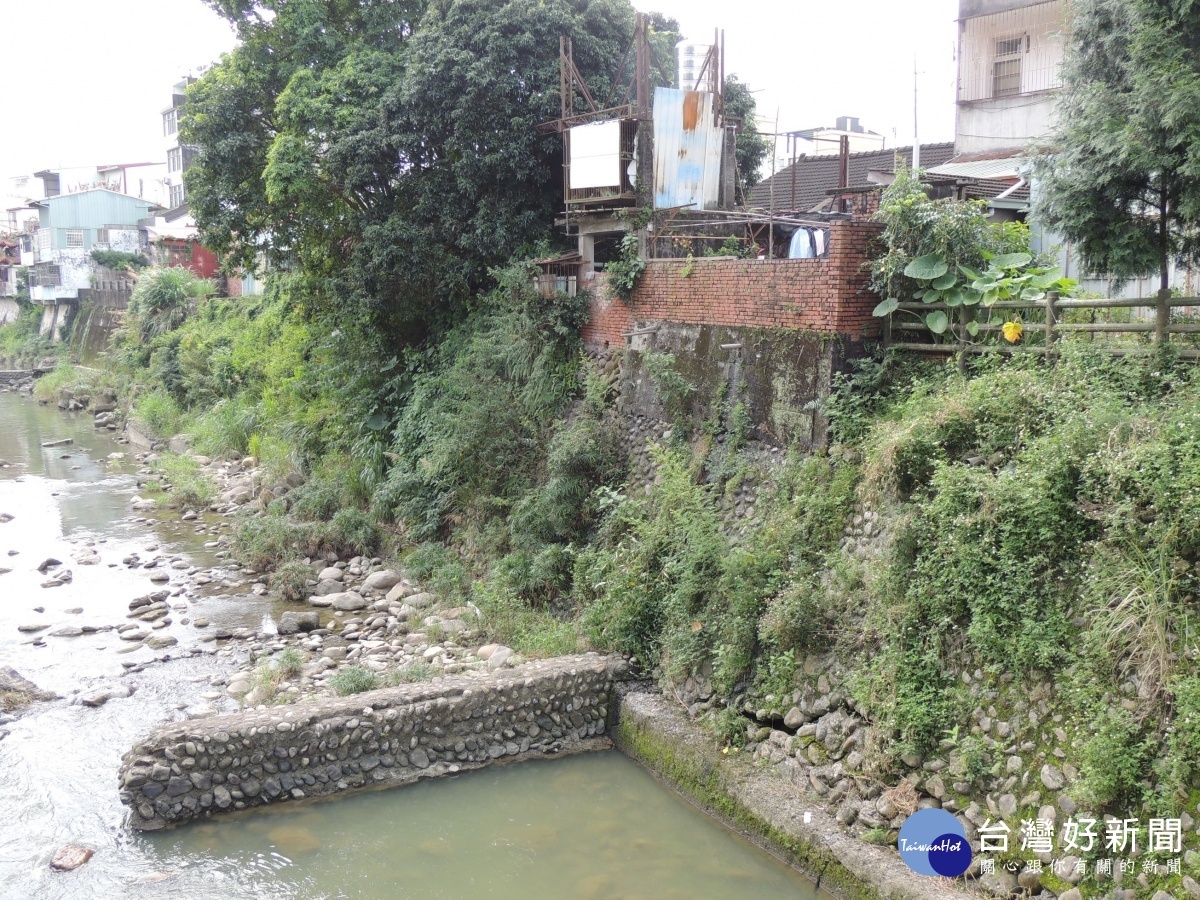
(687, 150)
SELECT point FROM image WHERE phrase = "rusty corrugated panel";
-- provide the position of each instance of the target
(687, 150)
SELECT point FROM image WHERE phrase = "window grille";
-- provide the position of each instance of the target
(74, 238)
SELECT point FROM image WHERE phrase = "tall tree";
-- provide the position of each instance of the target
(387, 150)
(1120, 175)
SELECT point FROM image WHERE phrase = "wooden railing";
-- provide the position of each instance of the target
(898, 332)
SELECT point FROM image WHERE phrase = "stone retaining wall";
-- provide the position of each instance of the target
(387, 737)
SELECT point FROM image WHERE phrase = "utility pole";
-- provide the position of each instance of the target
(916, 155)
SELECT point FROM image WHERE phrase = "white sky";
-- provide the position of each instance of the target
(89, 79)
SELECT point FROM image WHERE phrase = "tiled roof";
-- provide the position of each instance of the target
(816, 176)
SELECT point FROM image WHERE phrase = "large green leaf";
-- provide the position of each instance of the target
(926, 268)
(886, 307)
(1011, 260)
(953, 297)
(973, 328)
(969, 272)
(937, 322)
(946, 281)
(932, 296)
(1043, 280)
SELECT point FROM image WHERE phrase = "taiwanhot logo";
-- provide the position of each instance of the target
(933, 842)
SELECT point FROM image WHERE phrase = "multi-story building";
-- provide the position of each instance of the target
(827, 141)
(179, 155)
(70, 227)
(689, 58)
(1009, 56)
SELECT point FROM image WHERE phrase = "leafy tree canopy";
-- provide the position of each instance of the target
(1120, 177)
(387, 150)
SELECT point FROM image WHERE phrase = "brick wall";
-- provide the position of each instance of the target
(821, 295)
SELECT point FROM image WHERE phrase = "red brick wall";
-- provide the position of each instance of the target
(823, 295)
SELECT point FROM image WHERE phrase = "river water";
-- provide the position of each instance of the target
(588, 826)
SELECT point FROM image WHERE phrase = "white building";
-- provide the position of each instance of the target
(689, 59)
(1010, 54)
(827, 141)
(179, 155)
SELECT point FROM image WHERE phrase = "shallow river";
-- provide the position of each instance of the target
(589, 826)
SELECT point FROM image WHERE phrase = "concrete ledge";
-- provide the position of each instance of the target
(381, 738)
(764, 807)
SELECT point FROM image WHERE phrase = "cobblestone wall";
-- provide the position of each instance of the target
(386, 737)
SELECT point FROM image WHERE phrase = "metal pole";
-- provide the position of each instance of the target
(916, 154)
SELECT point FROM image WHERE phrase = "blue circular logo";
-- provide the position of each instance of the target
(933, 842)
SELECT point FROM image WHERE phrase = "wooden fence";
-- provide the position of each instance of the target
(899, 333)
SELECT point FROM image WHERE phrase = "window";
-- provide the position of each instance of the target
(175, 159)
(48, 276)
(170, 122)
(177, 195)
(1006, 69)
(74, 237)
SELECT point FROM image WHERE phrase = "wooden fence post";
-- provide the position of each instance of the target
(1162, 314)
(963, 316)
(1051, 321)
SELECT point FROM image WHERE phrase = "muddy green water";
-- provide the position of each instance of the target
(590, 826)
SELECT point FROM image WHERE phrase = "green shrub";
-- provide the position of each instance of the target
(291, 580)
(352, 531)
(261, 542)
(1115, 759)
(159, 413)
(1180, 769)
(412, 673)
(190, 488)
(353, 680)
(438, 567)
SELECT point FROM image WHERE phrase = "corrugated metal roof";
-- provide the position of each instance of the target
(816, 176)
(93, 209)
(687, 150)
(981, 168)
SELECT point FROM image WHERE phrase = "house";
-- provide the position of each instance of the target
(1010, 55)
(808, 184)
(70, 227)
(10, 262)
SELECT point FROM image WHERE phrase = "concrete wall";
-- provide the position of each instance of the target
(387, 737)
(9, 310)
(775, 373)
(1009, 123)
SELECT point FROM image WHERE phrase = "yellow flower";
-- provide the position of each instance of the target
(1012, 331)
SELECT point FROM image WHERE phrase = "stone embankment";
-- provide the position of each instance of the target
(387, 737)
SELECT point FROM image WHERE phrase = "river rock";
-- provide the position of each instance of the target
(327, 587)
(999, 884)
(20, 688)
(1052, 777)
(399, 592)
(292, 622)
(422, 600)
(143, 504)
(332, 573)
(348, 601)
(160, 641)
(499, 658)
(381, 581)
(31, 628)
(48, 563)
(1007, 805)
(6, 517)
(72, 856)
(62, 442)
(67, 631)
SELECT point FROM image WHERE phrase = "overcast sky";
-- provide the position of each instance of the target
(91, 78)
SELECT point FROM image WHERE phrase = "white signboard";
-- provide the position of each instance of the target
(596, 155)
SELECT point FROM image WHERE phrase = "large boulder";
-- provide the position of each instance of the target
(291, 622)
(347, 601)
(381, 581)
